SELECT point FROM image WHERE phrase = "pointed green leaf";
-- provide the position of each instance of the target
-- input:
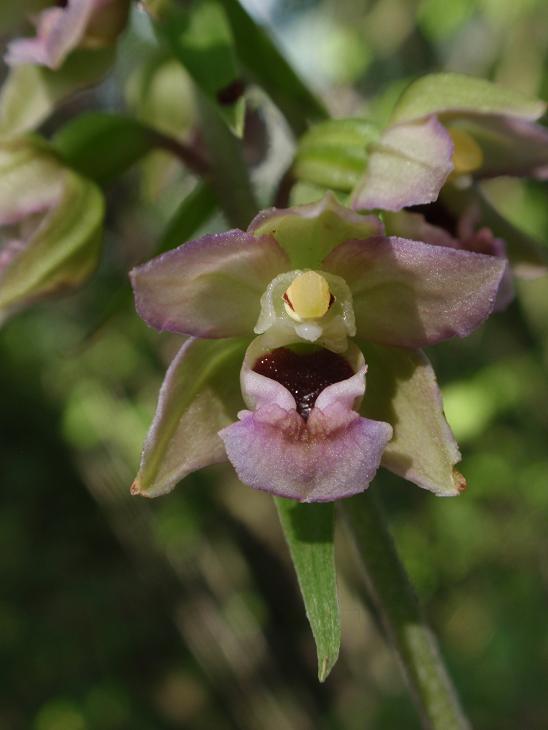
(259, 54)
(402, 390)
(451, 94)
(309, 532)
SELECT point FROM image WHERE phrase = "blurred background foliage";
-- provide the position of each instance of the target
(117, 612)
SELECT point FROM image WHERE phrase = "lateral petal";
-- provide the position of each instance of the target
(411, 294)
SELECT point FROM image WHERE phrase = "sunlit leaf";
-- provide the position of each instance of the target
(308, 530)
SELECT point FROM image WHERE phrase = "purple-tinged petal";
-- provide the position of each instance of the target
(407, 166)
(482, 240)
(200, 394)
(509, 146)
(90, 23)
(59, 31)
(333, 454)
(469, 238)
(210, 287)
(403, 391)
(309, 232)
(411, 294)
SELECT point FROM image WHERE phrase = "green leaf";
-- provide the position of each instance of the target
(229, 173)
(200, 395)
(451, 94)
(259, 54)
(402, 390)
(102, 145)
(201, 38)
(309, 532)
(31, 93)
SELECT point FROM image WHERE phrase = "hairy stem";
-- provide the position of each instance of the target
(420, 658)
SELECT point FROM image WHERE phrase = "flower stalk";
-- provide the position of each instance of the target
(403, 619)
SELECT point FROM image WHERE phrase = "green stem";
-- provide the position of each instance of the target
(423, 666)
(230, 178)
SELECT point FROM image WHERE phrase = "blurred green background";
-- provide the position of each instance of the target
(117, 612)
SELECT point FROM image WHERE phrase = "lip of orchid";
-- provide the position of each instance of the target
(299, 439)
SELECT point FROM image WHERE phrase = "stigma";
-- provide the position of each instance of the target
(307, 297)
(467, 154)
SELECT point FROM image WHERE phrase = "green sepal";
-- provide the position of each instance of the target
(333, 154)
(309, 532)
(103, 145)
(30, 93)
(64, 246)
(309, 233)
(200, 395)
(402, 390)
(452, 94)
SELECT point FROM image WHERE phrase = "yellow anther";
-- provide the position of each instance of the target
(307, 297)
(467, 155)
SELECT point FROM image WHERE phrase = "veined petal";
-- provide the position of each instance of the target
(412, 294)
(200, 395)
(307, 233)
(333, 454)
(407, 166)
(210, 287)
(403, 391)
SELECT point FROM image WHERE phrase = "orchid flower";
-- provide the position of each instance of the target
(50, 225)
(294, 303)
(61, 29)
(451, 127)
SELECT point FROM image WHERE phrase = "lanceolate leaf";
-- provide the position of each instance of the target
(258, 53)
(308, 530)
